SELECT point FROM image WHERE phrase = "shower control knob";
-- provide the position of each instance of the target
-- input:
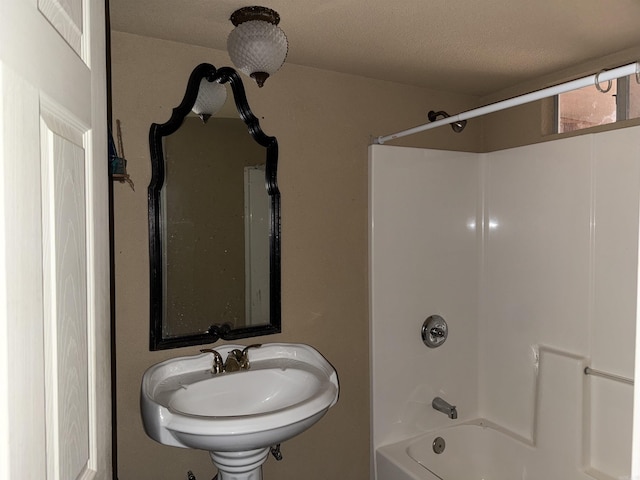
(437, 332)
(434, 331)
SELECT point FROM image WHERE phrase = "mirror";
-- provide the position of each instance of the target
(214, 223)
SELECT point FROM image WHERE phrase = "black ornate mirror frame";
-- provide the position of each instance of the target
(156, 134)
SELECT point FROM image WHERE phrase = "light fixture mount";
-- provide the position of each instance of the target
(246, 14)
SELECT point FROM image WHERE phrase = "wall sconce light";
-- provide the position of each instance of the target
(257, 46)
(211, 97)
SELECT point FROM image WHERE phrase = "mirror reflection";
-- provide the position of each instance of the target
(214, 223)
(216, 229)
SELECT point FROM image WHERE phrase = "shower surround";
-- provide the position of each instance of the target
(530, 255)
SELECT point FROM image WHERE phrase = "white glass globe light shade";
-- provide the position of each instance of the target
(257, 48)
(211, 97)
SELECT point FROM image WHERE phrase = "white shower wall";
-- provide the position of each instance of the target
(423, 261)
(530, 254)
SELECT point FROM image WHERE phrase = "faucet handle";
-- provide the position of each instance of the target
(255, 345)
(217, 366)
(244, 360)
(209, 350)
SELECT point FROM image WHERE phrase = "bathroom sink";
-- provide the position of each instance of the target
(288, 388)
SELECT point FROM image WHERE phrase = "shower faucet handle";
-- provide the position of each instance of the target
(434, 331)
(437, 332)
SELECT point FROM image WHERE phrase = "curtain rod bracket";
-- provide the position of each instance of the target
(455, 126)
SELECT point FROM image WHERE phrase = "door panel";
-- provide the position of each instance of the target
(66, 16)
(55, 393)
(67, 379)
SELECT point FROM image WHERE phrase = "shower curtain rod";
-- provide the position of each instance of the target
(596, 79)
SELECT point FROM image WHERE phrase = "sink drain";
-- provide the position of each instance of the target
(438, 445)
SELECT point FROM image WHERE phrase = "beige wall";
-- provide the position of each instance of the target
(324, 122)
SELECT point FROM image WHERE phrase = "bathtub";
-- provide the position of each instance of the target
(474, 450)
(478, 450)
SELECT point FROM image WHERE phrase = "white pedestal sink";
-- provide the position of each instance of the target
(237, 416)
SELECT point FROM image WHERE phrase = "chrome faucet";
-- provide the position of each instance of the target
(236, 359)
(445, 407)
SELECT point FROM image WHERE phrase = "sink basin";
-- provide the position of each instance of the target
(288, 388)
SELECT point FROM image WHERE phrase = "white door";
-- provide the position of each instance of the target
(54, 268)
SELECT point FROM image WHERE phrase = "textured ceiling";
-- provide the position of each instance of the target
(475, 47)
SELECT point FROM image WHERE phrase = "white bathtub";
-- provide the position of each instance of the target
(479, 450)
(475, 450)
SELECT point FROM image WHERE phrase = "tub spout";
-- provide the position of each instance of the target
(445, 407)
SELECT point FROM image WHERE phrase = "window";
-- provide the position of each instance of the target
(588, 107)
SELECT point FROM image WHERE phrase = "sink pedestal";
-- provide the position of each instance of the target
(240, 465)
